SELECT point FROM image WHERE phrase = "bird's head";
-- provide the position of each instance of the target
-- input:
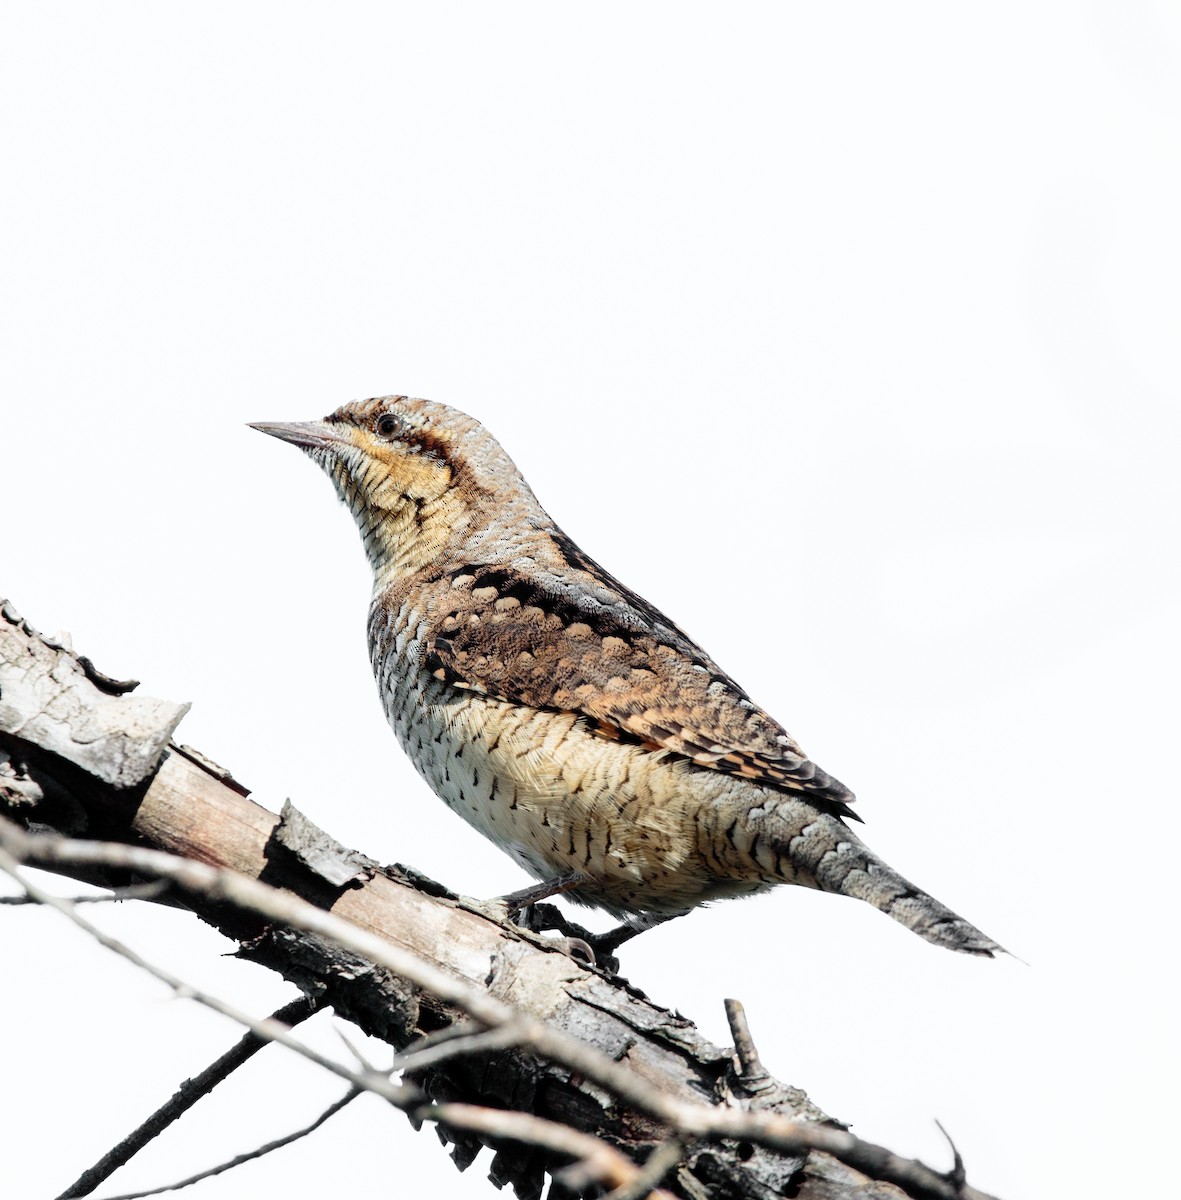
(422, 480)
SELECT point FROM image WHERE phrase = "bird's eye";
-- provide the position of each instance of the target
(387, 425)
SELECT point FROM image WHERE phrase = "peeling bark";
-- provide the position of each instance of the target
(78, 753)
(57, 701)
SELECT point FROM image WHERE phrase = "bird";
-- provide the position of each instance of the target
(561, 714)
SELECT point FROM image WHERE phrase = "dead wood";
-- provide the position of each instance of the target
(86, 757)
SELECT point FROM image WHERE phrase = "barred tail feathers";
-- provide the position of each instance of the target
(828, 855)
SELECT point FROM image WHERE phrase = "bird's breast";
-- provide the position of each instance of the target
(642, 826)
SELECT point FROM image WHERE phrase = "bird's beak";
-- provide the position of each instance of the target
(309, 435)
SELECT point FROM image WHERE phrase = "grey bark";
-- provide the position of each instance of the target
(81, 755)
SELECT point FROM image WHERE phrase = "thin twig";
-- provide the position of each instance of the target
(610, 1165)
(956, 1176)
(457, 1029)
(355, 1051)
(136, 891)
(239, 1159)
(655, 1168)
(267, 1029)
(512, 1033)
(230, 887)
(184, 1098)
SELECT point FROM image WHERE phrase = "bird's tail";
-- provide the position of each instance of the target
(828, 855)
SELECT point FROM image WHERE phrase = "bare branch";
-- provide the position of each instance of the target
(686, 1118)
(230, 887)
(184, 1098)
(601, 1160)
(138, 891)
(957, 1175)
(266, 1029)
(659, 1163)
(511, 1033)
(402, 957)
(239, 1159)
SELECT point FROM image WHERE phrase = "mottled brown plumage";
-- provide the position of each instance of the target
(592, 647)
(560, 713)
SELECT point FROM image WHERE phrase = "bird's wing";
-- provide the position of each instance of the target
(581, 642)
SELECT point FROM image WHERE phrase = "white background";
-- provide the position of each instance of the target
(846, 333)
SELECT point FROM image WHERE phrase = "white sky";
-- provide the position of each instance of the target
(846, 333)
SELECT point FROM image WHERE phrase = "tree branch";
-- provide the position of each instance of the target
(183, 1099)
(239, 1159)
(599, 1162)
(404, 958)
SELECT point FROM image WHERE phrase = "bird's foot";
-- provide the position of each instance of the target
(580, 943)
(599, 947)
(524, 909)
(517, 902)
(605, 944)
